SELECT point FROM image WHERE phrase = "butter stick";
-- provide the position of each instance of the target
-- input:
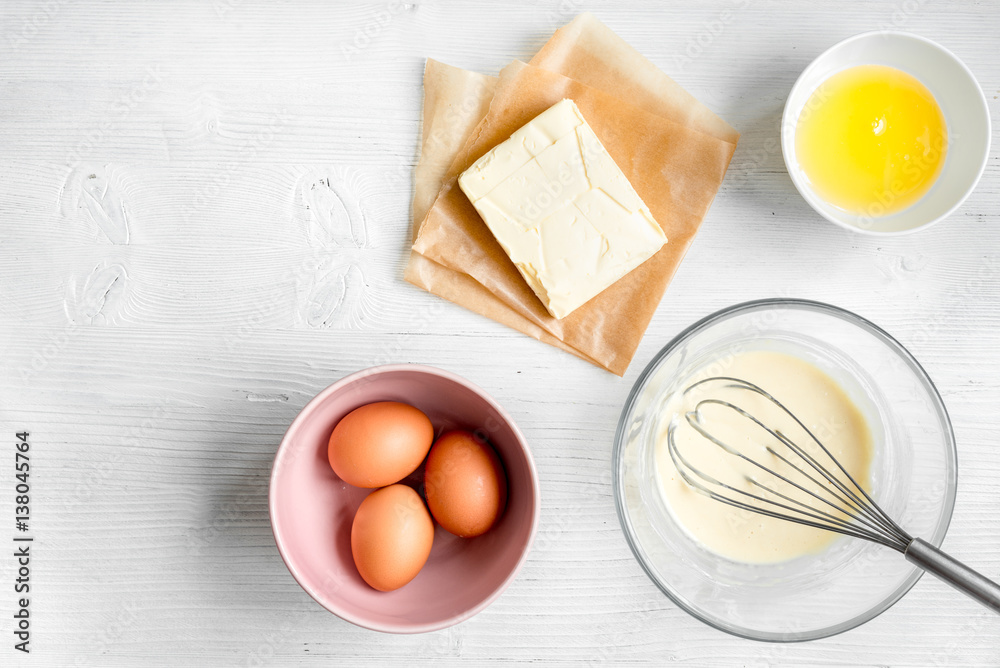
(561, 209)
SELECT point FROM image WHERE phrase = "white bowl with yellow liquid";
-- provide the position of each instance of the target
(955, 170)
(912, 474)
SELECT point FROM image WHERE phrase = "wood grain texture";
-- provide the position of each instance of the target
(204, 209)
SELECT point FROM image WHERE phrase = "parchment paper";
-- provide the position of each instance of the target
(676, 170)
(590, 52)
(455, 100)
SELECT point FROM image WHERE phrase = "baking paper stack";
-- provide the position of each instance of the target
(672, 148)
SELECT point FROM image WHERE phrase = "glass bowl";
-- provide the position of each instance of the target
(913, 475)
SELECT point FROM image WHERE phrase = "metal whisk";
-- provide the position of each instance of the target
(833, 500)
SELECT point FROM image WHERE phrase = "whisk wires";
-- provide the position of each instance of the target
(841, 504)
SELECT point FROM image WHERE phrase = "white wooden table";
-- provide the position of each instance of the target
(168, 303)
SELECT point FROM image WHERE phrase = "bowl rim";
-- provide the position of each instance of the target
(331, 605)
(788, 131)
(815, 306)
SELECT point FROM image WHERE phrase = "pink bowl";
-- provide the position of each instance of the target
(312, 509)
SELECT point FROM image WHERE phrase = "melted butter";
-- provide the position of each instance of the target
(871, 140)
(808, 392)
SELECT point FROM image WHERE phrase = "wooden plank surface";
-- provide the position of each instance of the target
(203, 222)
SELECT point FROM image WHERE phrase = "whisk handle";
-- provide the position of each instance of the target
(955, 573)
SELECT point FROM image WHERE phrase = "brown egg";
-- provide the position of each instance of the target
(379, 444)
(391, 537)
(465, 484)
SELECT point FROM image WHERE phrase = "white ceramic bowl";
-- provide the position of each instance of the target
(958, 94)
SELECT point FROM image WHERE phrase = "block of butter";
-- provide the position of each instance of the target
(562, 209)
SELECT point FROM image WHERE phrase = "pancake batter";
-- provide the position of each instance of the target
(810, 394)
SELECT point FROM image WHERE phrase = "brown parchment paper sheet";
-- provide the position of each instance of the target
(455, 100)
(590, 52)
(675, 168)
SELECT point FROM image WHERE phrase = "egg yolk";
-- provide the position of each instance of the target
(871, 140)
